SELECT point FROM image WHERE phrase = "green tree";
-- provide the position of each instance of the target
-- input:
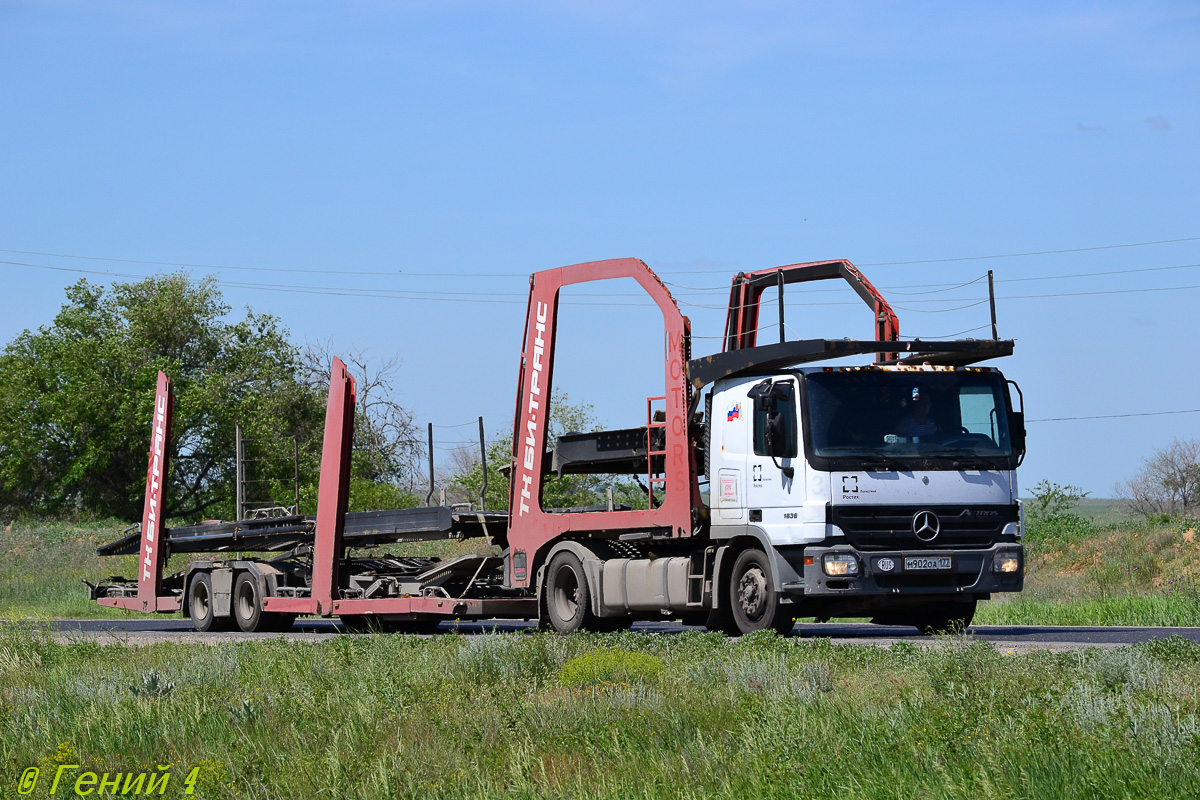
(76, 398)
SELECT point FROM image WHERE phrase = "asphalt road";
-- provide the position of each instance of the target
(1004, 637)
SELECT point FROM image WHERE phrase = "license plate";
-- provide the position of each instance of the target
(926, 563)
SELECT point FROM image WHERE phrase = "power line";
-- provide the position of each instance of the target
(1030, 253)
(190, 265)
(406, 294)
(1118, 416)
(404, 273)
(935, 290)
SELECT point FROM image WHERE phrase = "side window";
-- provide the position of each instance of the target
(978, 409)
(777, 408)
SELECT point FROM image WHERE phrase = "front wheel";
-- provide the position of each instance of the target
(753, 601)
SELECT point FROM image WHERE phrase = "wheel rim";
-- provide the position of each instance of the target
(566, 592)
(200, 604)
(752, 592)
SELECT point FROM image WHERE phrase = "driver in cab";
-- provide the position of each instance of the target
(918, 422)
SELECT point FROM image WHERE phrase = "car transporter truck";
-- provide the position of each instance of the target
(778, 485)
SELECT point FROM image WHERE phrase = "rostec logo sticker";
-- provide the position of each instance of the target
(531, 422)
(850, 484)
(154, 489)
(756, 474)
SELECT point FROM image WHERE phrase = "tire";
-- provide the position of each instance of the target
(201, 606)
(755, 605)
(568, 597)
(950, 617)
(246, 604)
(247, 607)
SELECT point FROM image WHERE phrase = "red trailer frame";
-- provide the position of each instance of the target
(532, 530)
(741, 323)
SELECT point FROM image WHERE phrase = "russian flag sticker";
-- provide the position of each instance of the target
(734, 413)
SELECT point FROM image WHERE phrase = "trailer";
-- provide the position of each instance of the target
(803, 517)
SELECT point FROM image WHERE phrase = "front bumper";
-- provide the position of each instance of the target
(885, 573)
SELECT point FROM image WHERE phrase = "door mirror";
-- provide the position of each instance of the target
(1016, 428)
(775, 428)
(776, 435)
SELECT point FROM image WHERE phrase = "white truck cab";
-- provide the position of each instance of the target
(880, 491)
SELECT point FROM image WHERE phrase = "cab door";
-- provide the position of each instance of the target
(774, 463)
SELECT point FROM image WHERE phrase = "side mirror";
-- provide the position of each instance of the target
(1016, 428)
(776, 436)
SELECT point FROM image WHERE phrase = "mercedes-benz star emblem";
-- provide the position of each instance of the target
(926, 525)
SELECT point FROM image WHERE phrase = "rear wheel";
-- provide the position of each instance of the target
(753, 601)
(200, 603)
(566, 591)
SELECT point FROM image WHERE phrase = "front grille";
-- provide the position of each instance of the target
(890, 527)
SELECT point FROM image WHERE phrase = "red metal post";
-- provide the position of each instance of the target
(333, 494)
(153, 554)
(334, 491)
(531, 529)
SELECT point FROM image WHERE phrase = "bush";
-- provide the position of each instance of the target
(1049, 514)
(610, 666)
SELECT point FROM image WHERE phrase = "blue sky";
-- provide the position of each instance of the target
(456, 147)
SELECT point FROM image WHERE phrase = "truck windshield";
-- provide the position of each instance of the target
(872, 418)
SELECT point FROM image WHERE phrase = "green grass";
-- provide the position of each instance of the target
(596, 716)
(1080, 572)
(42, 566)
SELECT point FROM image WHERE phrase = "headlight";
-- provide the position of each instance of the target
(838, 564)
(1006, 561)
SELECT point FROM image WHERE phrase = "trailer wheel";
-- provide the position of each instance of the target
(755, 605)
(248, 608)
(200, 603)
(566, 593)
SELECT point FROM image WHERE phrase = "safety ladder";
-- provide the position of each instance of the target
(650, 451)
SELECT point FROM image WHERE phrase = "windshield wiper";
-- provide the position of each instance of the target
(973, 456)
(869, 453)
